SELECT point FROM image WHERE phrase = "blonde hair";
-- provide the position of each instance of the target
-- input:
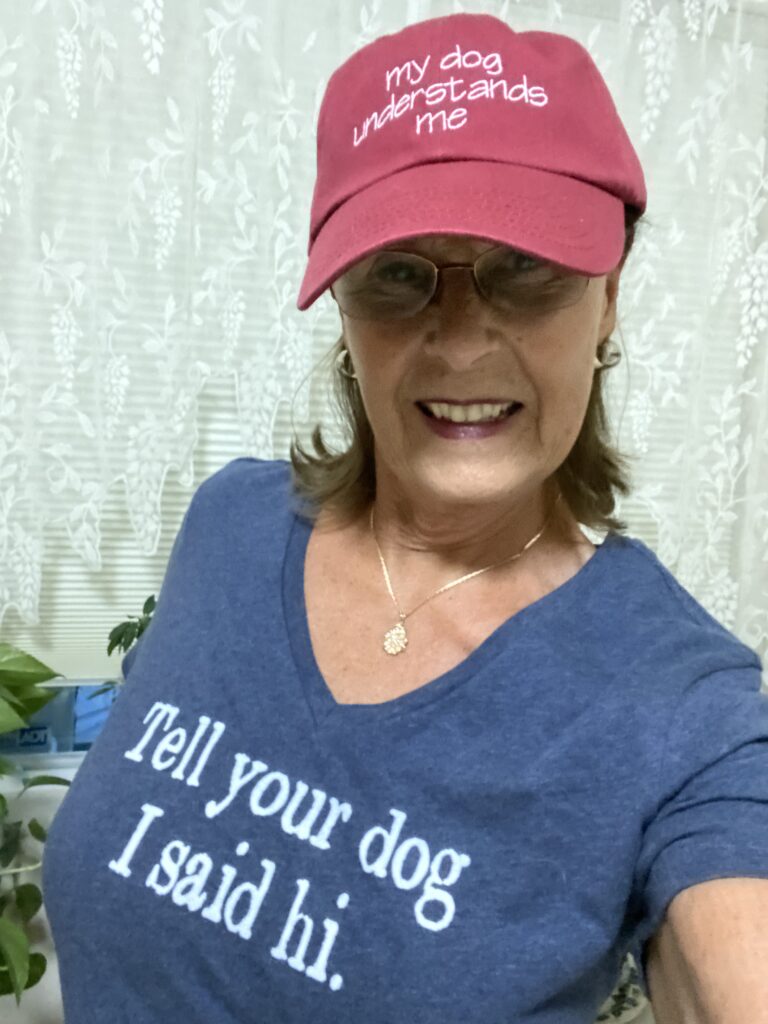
(592, 474)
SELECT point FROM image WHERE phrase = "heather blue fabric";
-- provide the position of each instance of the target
(238, 848)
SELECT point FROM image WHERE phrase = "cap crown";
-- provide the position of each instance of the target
(469, 87)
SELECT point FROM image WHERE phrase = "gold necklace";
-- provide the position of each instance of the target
(396, 639)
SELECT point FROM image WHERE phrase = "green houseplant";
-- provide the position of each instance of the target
(20, 699)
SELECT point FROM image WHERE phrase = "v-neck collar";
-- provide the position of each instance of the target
(324, 707)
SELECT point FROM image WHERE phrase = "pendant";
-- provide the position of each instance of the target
(395, 639)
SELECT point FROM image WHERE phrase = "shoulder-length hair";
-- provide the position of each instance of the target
(590, 477)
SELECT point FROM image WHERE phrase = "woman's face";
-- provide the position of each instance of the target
(460, 347)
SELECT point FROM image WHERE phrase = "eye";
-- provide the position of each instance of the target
(397, 269)
(507, 266)
(514, 260)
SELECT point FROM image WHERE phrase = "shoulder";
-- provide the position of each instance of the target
(657, 582)
(658, 626)
(245, 495)
(242, 510)
(245, 479)
(248, 468)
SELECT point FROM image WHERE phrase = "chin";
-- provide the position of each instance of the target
(471, 488)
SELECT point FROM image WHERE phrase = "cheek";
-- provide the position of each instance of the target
(563, 385)
(379, 393)
(565, 404)
(381, 410)
(379, 362)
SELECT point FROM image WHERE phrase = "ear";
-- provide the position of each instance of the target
(608, 318)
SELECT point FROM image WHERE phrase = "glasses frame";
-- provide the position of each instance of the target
(437, 280)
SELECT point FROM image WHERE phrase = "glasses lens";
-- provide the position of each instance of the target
(385, 286)
(521, 285)
(390, 285)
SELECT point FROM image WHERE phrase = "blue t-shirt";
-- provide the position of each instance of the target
(239, 848)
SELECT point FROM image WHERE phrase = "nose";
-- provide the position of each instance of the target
(460, 331)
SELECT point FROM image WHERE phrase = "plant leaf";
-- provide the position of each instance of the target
(37, 967)
(8, 767)
(44, 780)
(14, 948)
(103, 689)
(9, 719)
(9, 851)
(29, 899)
(17, 666)
(36, 830)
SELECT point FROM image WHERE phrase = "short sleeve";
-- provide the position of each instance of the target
(171, 568)
(711, 819)
(201, 520)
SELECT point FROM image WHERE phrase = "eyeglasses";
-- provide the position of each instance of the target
(393, 285)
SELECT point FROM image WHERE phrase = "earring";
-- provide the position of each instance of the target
(343, 359)
(613, 357)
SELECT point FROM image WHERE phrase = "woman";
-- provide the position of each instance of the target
(402, 744)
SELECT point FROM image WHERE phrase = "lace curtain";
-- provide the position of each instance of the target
(156, 171)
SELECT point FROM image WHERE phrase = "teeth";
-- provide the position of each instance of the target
(468, 413)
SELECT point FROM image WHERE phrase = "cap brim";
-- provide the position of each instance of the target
(553, 216)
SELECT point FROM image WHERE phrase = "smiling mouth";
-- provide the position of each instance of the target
(458, 413)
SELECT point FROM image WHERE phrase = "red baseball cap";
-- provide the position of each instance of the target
(460, 125)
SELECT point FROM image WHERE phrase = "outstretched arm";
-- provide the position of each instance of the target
(708, 962)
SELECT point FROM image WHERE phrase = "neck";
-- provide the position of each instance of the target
(438, 539)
